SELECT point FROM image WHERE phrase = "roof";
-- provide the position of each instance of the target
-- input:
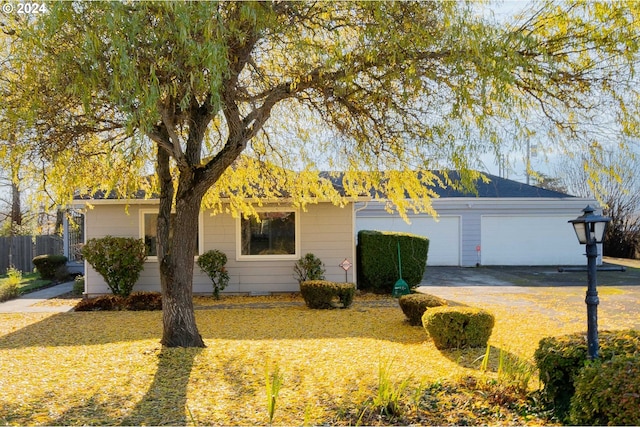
(497, 187)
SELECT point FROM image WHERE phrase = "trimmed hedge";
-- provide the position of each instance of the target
(560, 360)
(137, 301)
(48, 265)
(608, 393)
(414, 306)
(458, 327)
(377, 257)
(322, 294)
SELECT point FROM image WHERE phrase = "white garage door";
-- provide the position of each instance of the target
(529, 240)
(443, 235)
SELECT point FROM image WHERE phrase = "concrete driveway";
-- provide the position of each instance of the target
(534, 276)
(542, 289)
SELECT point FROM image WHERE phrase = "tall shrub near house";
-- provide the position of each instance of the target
(119, 260)
(213, 264)
(378, 263)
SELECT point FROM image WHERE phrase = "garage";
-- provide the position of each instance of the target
(529, 240)
(504, 223)
(443, 234)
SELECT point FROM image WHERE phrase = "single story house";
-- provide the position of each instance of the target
(506, 223)
(260, 255)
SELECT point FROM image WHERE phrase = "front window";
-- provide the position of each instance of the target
(150, 221)
(149, 232)
(271, 234)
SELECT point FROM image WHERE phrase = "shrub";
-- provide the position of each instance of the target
(414, 305)
(143, 301)
(137, 301)
(213, 264)
(14, 276)
(456, 327)
(119, 260)
(48, 265)
(560, 360)
(608, 393)
(308, 267)
(323, 294)
(78, 285)
(377, 257)
(8, 291)
(101, 303)
(62, 273)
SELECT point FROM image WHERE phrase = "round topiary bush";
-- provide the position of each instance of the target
(414, 305)
(324, 294)
(48, 265)
(608, 393)
(457, 327)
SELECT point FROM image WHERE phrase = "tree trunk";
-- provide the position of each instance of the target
(179, 323)
(16, 209)
(176, 250)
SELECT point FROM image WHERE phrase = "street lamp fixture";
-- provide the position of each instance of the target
(590, 229)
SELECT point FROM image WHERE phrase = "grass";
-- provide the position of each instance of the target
(108, 368)
(30, 282)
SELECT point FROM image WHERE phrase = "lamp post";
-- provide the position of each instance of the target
(589, 229)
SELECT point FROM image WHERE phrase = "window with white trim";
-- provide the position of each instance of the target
(274, 234)
(149, 230)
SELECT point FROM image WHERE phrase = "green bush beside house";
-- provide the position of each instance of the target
(378, 264)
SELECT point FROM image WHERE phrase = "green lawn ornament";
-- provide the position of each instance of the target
(401, 287)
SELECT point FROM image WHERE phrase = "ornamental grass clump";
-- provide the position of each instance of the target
(10, 287)
(213, 264)
(414, 306)
(321, 294)
(458, 327)
(273, 384)
(119, 260)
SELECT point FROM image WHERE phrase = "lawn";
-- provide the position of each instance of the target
(108, 367)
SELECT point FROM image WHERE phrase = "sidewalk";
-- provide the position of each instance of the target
(27, 303)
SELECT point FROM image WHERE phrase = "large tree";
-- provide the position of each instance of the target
(225, 98)
(616, 185)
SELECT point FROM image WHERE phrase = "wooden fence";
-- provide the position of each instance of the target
(20, 250)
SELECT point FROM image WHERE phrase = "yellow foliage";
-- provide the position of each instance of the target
(108, 368)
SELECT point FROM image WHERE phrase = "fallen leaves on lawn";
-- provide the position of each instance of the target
(107, 368)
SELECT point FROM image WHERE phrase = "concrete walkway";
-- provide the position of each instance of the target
(28, 303)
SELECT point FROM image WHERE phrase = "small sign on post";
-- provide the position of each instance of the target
(346, 265)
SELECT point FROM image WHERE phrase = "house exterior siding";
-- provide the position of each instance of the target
(325, 230)
(512, 241)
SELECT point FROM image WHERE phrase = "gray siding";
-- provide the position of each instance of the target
(325, 230)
